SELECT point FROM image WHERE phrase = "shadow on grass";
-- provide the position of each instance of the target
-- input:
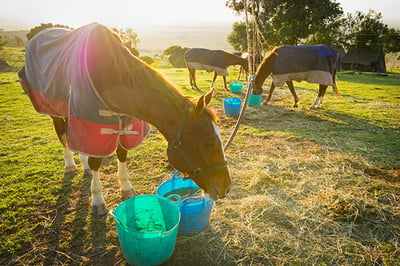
(357, 137)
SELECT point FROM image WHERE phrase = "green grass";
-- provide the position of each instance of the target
(310, 186)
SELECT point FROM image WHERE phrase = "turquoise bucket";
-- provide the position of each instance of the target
(147, 227)
(232, 106)
(236, 87)
(254, 100)
(195, 210)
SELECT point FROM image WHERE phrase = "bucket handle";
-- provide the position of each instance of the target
(191, 199)
(175, 174)
(175, 198)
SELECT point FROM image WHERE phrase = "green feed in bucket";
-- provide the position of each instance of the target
(147, 227)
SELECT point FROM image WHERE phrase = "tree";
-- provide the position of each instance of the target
(370, 30)
(43, 26)
(237, 38)
(290, 22)
(176, 55)
(392, 41)
(130, 39)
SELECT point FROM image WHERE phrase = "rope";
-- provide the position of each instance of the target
(251, 60)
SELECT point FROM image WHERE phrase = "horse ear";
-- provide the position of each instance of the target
(203, 101)
(208, 96)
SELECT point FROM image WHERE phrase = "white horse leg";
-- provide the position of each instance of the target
(317, 103)
(98, 203)
(126, 187)
(84, 160)
(70, 166)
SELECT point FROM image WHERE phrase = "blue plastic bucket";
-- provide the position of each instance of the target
(195, 210)
(236, 87)
(232, 106)
(254, 100)
(147, 227)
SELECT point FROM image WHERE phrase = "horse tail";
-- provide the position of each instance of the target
(336, 91)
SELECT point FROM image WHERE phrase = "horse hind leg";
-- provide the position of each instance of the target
(98, 203)
(295, 97)
(192, 78)
(60, 126)
(123, 176)
(84, 160)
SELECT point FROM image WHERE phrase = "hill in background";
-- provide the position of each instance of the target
(156, 40)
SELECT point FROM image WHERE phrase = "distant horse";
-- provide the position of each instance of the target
(83, 76)
(312, 63)
(211, 60)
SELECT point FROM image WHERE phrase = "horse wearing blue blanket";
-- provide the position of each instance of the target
(312, 63)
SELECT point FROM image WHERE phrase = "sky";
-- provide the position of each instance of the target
(144, 14)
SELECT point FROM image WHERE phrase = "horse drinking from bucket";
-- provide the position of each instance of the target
(211, 60)
(99, 96)
(312, 63)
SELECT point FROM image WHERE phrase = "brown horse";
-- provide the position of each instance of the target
(125, 85)
(211, 60)
(312, 63)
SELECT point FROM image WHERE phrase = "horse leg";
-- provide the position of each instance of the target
(84, 159)
(320, 98)
(98, 203)
(60, 126)
(226, 88)
(295, 97)
(213, 81)
(192, 77)
(271, 90)
(126, 188)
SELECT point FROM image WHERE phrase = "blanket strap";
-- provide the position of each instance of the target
(110, 131)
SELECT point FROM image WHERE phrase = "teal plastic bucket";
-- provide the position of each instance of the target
(232, 106)
(147, 227)
(236, 87)
(195, 210)
(254, 100)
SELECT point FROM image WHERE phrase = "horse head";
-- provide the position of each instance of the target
(263, 70)
(197, 150)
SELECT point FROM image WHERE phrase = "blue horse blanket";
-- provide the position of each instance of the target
(59, 84)
(312, 63)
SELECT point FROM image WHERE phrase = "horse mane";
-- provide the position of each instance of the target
(120, 66)
(272, 53)
(129, 69)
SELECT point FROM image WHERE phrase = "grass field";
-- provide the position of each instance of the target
(311, 187)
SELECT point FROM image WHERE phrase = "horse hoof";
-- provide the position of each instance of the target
(265, 103)
(127, 194)
(295, 105)
(70, 169)
(99, 210)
